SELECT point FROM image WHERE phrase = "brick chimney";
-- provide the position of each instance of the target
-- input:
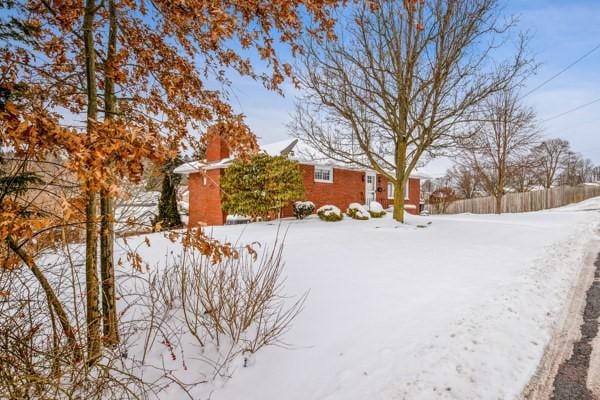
(216, 148)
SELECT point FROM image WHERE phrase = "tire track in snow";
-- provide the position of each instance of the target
(571, 379)
(560, 347)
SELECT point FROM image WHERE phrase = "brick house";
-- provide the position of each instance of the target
(325, 182)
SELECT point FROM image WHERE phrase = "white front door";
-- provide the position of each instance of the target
(370, 187)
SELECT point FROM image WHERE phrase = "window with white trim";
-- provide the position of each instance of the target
(391, 188)
(323, 174)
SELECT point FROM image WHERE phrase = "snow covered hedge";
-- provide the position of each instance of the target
(357, 211)
(303, 209)
(376, 210)
(330, 213)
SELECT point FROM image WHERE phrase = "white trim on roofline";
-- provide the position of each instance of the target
(189, 167)
(198, 166)
(282, 147)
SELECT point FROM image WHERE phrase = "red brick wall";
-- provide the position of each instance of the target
(216, 148)
(414, 194)
(347, 187)
(205, 200)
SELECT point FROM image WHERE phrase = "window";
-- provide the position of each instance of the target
(390, 190)
(323, 174)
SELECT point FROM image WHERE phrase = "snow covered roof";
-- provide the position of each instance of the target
(294, 148)
(189, 167)
(304, 153)
(418, 173)
(273, 149)
(195, 166)
(279, 148)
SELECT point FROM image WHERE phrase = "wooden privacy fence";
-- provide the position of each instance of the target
(520, 202)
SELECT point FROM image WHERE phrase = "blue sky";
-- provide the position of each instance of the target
(561, 31)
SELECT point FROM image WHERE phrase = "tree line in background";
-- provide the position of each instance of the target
(505, 152)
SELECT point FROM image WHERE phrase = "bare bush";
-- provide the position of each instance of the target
(232, 308)
(38, 362)
(228, 302)
(441, 199)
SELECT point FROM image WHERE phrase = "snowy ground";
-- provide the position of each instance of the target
(461, 309)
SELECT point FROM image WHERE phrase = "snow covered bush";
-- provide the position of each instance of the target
(357, 211)
(303, 209)
(376, 210)
(330, 213)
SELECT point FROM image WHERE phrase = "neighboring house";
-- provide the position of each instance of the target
(325, 181)
(136, 212)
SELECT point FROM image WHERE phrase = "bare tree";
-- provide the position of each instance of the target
(585, 169)
(596, 174)
(549, 155)
(576, 169)
(399, 81)
(522, 176)
(504, 138)
(464, 181)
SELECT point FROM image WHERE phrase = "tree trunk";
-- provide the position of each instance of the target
(93, 317)
(110, 326)
(499, 204)
(400, 182)
(501, 185)
(399, 202)
(53, 301)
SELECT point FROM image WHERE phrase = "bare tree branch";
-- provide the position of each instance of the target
(401, 82)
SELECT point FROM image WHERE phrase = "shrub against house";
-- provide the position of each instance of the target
(260, 186)
(303, 209)
(330, 213)
(376, 210)
(326, 182)
(357, 211)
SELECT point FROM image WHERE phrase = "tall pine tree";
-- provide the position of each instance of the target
(168, 214)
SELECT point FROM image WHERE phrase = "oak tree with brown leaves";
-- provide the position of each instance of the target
(136, 78)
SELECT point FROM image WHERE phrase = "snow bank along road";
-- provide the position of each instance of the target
(461, 309)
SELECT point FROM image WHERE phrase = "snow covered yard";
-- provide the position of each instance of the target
(460, 309)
